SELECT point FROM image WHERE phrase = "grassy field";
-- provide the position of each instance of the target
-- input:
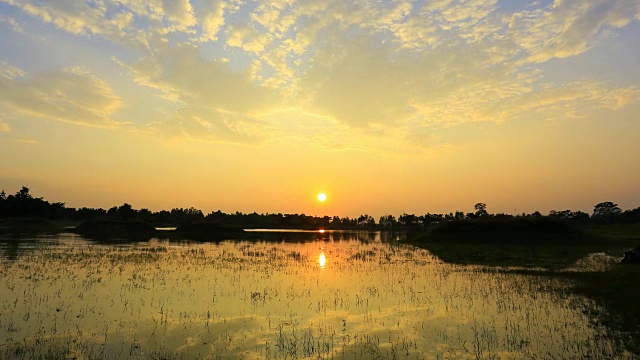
(553, 253)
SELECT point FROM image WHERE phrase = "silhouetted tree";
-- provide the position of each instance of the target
(387, 221)
(631, 216)
(366, 221)
(481, 209)
(606, 210)
(126, 212)
(23, 193)
(408, 220)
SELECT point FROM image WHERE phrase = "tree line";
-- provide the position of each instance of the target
(23, 204)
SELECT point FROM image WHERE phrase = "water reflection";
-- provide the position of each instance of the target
(376, 299)
(322, 260)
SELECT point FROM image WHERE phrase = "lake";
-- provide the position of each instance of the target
(344, 295)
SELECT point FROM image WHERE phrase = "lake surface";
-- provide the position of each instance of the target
(305, 295)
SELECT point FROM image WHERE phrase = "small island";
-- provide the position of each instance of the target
(28, 225)
(206, 231)
(114, 229)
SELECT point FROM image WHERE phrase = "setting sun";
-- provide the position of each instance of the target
(322, 197)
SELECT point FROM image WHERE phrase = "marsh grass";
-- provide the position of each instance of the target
(618, 293)
(612, 286)
(165, 300)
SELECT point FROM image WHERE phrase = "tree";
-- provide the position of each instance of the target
(606, 210)
(126, 211)
(409, 220)
(23, 193)
(481, 209)
(387, 221)
(366, 220)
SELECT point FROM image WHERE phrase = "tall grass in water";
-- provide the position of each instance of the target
(274, 300)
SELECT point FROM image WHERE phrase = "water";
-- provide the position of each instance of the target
(310, 295)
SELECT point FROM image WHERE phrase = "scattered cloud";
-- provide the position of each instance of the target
(219, 103)
(15, 26)
(391, 68)
(27, 141)
(568, 28)
(4, 127)
(212, 19)
(9, 71)
(70, 95)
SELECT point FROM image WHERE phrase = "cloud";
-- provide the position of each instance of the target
(569, 28)
(27, 141)
(400, 69)
(15, 26)
(212, 19)
(247, 38)
(356, 83)
(4, 127)
(179, 12)
(69, 95)
(9, 71)
(218, 103)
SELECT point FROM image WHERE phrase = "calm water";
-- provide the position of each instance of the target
(332, 295)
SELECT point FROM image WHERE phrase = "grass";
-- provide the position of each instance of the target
(618, 292)
(274, 300)
(553, 247)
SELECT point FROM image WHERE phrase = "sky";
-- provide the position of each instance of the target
(387, 106)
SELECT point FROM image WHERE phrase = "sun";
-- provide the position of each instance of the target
(322, 197)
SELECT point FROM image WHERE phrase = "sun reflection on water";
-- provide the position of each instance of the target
(322, 260)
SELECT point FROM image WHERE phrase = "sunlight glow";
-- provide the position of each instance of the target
(321, 231)
(322, 197)
(322, 260)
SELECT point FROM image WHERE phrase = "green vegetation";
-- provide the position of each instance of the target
(28, 225)
(23, 204)
(206, 231)
(553, 246)
(368, 300)
(522, 241)
(618, 293)
(502, 229)
(109, 229)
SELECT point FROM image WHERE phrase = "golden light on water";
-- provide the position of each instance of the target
(322, 260)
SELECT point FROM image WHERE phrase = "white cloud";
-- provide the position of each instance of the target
(179, 12)
(392, 67)
(212, 19)
(70, 95)
(15, 26)
(10, 71)
(218, 102)
(248, 38)
(569, 28)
